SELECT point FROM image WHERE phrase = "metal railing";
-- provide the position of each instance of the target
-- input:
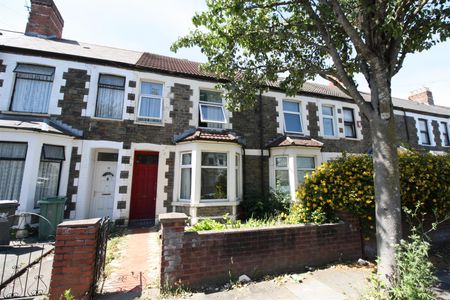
(101, 253)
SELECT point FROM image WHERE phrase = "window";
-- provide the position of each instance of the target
(212, 113)
(49, 172)
(328, 120)
(12, 164)
(424, 132)
(238, 176)
(32, 88)
(445, 136)
(282, 173)
(150, 104)
(213, 176)
(110, 96)
(186, 176)
(305, 165)
(292, 117)
(349, 123)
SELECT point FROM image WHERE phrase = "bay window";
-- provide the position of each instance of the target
(32, 88)
(12, 164)
(186, 176)
(111, 91)
(292, 117)
(150, 102)
(49, 172)
(211, 110)
(305, 165)
(213, 176)
(282, 173)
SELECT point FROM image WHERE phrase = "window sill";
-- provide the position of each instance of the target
(106, 119)
(330, 137)
(205, 204)
(352, 139)
(161, 124)
(20, 113)
(428, 145)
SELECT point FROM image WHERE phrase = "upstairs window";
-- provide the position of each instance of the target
(47, 184)
(214, 176)
(349, 123)
(32, 88)
(212, 113)
(151, 102)
(12, 164)
(305, 165)
(328, 120)
(424, 132)
(111, 90)
(292, 117)
(282, 173)
(445, 136)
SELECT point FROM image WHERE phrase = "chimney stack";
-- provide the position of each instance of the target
(422, 95)
(45, 20)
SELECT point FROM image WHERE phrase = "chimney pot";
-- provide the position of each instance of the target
(422, 95)
(44, 20)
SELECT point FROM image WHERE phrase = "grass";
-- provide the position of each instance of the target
(116, 236)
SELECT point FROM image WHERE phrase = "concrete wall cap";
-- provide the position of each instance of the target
(80, 223)
(172, 217)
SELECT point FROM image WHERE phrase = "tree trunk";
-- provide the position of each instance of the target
(387, 193)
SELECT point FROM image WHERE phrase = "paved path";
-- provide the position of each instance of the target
(136, 272)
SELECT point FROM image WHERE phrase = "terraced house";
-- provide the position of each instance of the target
(133, 135)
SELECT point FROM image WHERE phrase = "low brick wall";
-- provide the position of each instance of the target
(74, 262)
(195, 259)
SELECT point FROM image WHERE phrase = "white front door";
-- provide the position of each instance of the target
(103, 189)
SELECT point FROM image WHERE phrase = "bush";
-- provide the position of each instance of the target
(259, 207)
(347, 183)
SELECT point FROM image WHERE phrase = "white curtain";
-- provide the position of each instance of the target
(212, 113)
(185, 192)
(12, 163)
(109, 103)
(150, 108)
(31, 95)
(47, 182)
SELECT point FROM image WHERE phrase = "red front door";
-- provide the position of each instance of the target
(143, 188)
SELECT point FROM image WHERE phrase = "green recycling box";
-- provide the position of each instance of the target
(52, 209)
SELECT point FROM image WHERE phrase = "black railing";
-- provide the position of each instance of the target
(24, 270)
(101, 253)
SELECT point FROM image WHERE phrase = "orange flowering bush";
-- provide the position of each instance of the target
(347, 184)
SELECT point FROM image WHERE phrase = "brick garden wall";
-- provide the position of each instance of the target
(195, 259)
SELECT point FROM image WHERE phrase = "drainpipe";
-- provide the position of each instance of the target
(261, 143)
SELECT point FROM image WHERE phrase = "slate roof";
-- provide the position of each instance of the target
(285, 141)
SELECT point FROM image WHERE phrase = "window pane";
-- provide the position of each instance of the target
(214, 159)
(51, 152)
(291, 106)
(150, 107)
(423, 125)
(31, 95)
(107, 156)
(186, 158)
(282, 180)
(210, 96)
(185, 190)
(13, 150)
(301, 175)
(109, 103)
(425, 138)
(214, 184)
(116, 81)
(348, 115)
(11, 178)
(293, 122)
(349, 131)
(149, 88)
(211, 113)
(328, 126)
(34, 69)
(47, 181)
(281, 162)
(327, 110)
(305, 162)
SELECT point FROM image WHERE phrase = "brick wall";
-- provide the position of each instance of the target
(195, 259)
(73, 264)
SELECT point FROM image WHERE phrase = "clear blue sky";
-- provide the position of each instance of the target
(152, 26)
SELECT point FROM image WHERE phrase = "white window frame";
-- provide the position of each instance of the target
(203, 120)
(98, 91)
(445, 134)
(189, 166)
(297, 167)
(276, 168)
(227, 168)
(237, 165)
(427, 125)
(353, 122)
(146, 119)
(299, 113)
(333, 118)
(206, 103)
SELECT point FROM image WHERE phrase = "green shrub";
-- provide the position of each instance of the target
(347, 183)
(299, 213)
(257, 206)
(207, 224)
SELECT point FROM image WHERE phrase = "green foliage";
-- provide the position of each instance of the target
(68, 295)
(209, 224)
(347, 183)
(259, 207)
(299, 213)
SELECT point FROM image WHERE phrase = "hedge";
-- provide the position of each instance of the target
(347, 184)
